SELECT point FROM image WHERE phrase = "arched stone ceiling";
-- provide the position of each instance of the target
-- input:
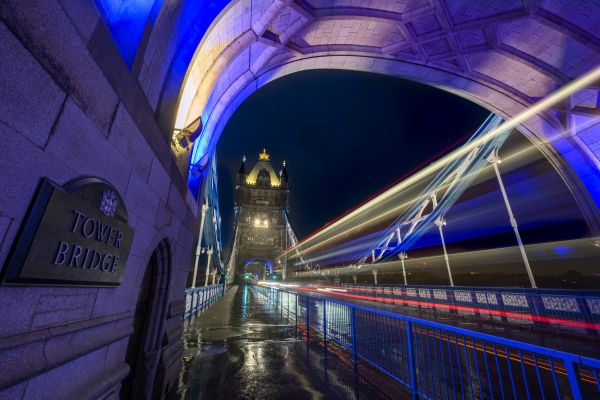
(502, 54)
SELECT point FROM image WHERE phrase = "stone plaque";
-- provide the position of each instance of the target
(76, 235)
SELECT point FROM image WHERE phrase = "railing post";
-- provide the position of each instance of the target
(533, 300)
(454, 309)
(192, 307)
(307, 327)
(411, 359)
(573, 380)
(325, 325)
(185, 312)
(353, 332)
(586, 314)
(325, 340)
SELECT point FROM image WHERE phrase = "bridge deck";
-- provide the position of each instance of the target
(241, 348)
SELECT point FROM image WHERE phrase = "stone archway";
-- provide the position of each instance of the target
(146, 376)
(504, 57)
(259, 267)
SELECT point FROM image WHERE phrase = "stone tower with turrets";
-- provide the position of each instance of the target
(261, 206)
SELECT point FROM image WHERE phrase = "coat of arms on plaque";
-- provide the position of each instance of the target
(109, 202)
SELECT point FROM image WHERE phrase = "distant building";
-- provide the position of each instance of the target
(261, 205)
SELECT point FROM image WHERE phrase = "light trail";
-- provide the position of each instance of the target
(482, 347)
(578, 245)
(543, 364)
(515, 156)
(379, 218)
(382, 190)
(451, 307)
(551, 100)
(390, 213)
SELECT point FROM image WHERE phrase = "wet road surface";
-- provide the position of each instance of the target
(241, 348)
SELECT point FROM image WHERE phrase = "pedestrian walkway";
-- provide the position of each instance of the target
(241, 348)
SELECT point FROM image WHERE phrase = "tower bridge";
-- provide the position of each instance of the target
(475, 277)
(260, 214)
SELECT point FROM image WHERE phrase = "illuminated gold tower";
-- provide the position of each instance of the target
(261, 204)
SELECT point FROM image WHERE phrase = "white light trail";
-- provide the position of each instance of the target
(558, 96)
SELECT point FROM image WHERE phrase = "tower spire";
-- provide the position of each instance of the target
(284, 175)
(242, 170)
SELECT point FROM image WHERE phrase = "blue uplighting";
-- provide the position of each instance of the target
(194, 19)
(126, 21)
(563, 250)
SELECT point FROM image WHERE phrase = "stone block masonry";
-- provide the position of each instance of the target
(63, 116)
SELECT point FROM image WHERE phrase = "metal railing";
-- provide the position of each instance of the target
(555, 308)
(198, 299)
(436, 361)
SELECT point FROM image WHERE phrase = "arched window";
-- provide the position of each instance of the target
(263, 179)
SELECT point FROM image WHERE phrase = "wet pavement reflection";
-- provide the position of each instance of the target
(241, 348)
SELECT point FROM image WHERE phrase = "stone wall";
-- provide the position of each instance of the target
(69, 107)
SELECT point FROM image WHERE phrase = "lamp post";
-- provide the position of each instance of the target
(440, 222)
(209, 252)
(403, 257)
(495, 160)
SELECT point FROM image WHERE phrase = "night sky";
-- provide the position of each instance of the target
(344, 136)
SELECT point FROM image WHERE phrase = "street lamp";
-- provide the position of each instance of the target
(403, 256)
(440, 222)
(495, 160)
(209, 252)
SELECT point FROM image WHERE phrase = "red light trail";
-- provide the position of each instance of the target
(585, 376)
(500, 313)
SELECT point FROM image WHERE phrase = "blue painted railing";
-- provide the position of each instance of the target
(199, 299)
(555, 308)
(436, 361)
